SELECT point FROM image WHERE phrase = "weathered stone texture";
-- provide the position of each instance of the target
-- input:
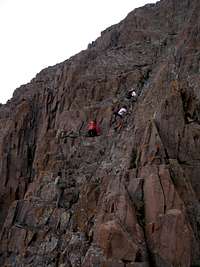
(132, 195)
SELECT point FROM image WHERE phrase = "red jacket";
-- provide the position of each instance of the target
(93, 126)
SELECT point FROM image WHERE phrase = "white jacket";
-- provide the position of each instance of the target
(122, 111)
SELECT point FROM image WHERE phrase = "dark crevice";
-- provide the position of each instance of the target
(191, 107)
(125, 262)
(112, 208)
(8, 162)
(16, 213)
(33, 239)
(17, 193)
(133, 160)
(144, 79)
(138, 257)
(30, 159)
(149, 253)
(164, 197)
(165, 150)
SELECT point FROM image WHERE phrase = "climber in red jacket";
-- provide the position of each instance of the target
(93, 129)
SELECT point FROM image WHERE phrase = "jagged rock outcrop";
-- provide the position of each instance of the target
(132, 196)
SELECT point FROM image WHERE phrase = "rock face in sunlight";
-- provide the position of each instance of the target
(131, 195)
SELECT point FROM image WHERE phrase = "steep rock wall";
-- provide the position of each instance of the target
(133, 195)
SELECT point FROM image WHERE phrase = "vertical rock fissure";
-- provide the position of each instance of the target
(149, 254)
(179, 143)
(162, 188)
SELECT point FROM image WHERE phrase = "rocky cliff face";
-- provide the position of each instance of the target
(132, 195)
